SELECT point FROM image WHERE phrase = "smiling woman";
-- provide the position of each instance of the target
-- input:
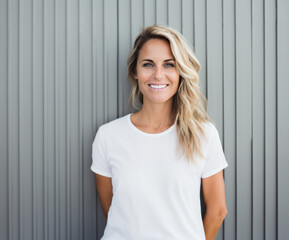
(149, 165)
(157, 76)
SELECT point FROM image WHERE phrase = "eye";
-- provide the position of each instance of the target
(147, 65)
(169, 65)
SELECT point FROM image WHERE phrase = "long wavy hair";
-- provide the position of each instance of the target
(188, 111)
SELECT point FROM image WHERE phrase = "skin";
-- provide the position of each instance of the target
(156, 65)
(104, 191)
(216, 209)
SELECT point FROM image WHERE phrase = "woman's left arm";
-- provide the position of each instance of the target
(216, 209)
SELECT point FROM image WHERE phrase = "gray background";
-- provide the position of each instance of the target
(63, 74)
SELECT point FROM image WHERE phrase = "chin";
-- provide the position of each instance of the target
(158, 100)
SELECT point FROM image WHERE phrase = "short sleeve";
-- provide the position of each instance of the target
(215, 159)
(100, 162)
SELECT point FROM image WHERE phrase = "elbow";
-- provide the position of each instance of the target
(218, 214)
(222, 213)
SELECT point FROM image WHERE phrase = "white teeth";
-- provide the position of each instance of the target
(157, 86)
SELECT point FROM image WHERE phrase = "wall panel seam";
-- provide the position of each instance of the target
(276, 130)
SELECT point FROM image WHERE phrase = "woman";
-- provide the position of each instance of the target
(149, 165)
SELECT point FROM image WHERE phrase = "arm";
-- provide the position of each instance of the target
(104, 190)
(216, 209)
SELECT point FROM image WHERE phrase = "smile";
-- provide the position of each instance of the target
(158, 87)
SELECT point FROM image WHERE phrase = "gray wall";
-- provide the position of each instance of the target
(63, 74)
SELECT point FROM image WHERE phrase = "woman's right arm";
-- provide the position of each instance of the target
(104, 190)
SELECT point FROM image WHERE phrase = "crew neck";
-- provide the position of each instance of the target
(167, 131)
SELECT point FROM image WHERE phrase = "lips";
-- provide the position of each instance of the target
(158, 86)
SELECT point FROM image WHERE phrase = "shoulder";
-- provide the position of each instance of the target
(114, 126)
(209, 128)
(210, 133)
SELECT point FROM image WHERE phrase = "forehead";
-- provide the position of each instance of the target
(156, 48)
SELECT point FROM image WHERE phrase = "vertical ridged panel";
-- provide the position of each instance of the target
(110, 58)
(282, 118)
(73, 114)
(124, 45)
(188, 24)
(137, 17)
(244, 119)
(162, 11)
(201, 41)
(25, 119)
(258, 111)
(86, 136)
(149, 12)
(38, 119)
(49, 121)
(175, 14)
(215, 71)
(4, 213)
(13, 119)
(98, 101)
(61, 120)
(229, 74)
(270, 102)
(214, 55)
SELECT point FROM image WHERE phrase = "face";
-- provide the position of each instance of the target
(158, 78)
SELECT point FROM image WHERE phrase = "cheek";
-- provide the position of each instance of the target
(143, 75)
(176, 77)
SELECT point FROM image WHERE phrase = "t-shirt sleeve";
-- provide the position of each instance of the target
(100, 163)
(215, 159)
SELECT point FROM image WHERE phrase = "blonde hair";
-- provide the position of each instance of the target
(187, 105)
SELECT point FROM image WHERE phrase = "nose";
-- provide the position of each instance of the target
(159, 72)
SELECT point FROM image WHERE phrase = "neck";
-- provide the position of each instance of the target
(156, 115)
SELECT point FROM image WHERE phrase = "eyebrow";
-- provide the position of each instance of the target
(149, 60)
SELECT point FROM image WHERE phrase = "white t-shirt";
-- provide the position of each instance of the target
(156, 196)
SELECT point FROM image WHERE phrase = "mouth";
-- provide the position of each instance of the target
(158, 86)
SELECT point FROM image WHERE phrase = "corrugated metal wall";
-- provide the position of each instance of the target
(63, 74)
